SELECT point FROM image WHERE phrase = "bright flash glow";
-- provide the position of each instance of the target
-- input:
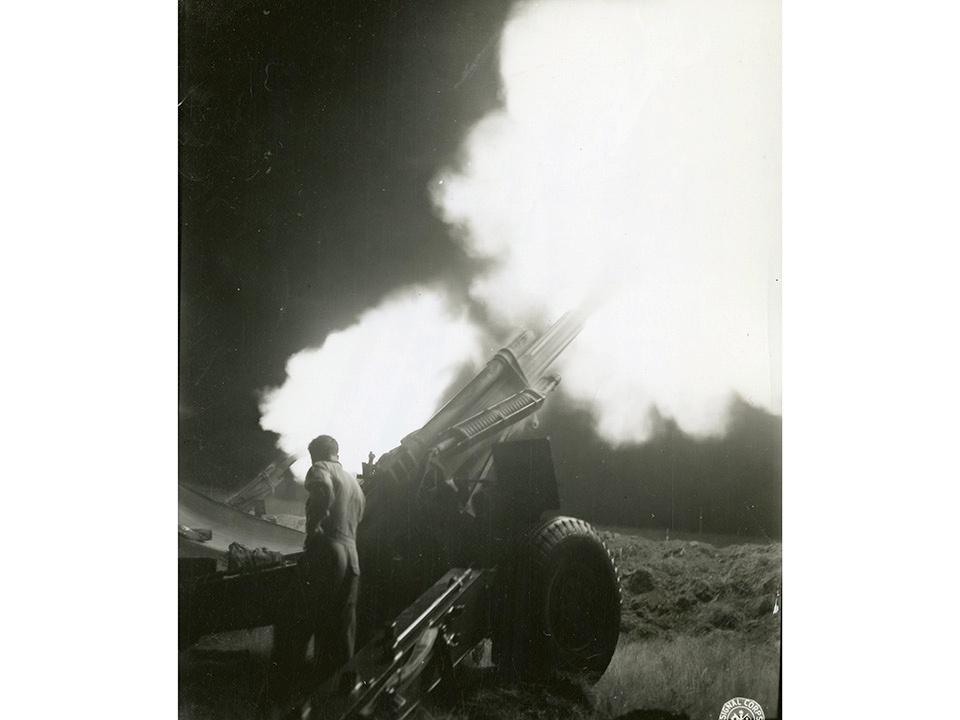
(374, 382)
(637, 156)
(636, 159)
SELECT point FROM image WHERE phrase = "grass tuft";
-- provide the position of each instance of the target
(692, 675)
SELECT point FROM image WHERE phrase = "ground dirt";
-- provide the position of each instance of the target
(681, 587)
(700, 624)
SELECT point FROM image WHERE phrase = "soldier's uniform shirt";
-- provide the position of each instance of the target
(337, 501)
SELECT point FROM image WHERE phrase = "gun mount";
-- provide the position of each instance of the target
(461, 542)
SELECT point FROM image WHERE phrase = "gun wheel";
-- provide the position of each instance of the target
(569, 606)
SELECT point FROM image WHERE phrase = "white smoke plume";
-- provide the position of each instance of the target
(373, 382)
(637, 155)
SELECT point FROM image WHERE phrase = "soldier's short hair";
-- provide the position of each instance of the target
(323, 447)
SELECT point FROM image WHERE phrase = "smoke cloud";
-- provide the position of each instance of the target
(636, 157)
(373, 382)
(635, 160)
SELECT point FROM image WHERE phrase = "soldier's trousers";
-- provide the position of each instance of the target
(322, 604)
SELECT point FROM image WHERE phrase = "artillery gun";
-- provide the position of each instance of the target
(461, 544)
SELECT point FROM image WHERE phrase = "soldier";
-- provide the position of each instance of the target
(324, 603)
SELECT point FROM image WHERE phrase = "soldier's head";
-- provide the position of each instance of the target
(323, 447)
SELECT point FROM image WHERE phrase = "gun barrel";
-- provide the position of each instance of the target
(512, 369)
(538, 357)
(501, 377)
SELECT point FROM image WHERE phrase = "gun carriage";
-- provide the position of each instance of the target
(461, 542)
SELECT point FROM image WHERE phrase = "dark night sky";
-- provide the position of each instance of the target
(308, 133)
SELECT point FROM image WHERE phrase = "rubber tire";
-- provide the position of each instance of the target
(570, 602)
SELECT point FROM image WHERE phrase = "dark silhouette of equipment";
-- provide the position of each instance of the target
(250, 498)
(461, 543)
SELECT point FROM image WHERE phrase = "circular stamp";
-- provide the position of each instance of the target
(741, 709)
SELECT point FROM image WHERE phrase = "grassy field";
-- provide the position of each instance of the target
(698, 628)
(700, 625)
(686, 677)
(691, 675)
